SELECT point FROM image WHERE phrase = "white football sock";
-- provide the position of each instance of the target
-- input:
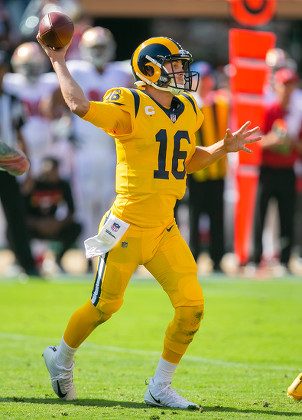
(64, 356)
(164, 371)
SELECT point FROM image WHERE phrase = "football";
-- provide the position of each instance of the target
(56, 29)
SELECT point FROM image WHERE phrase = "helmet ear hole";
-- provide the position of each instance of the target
(153, 72)
(149, 70)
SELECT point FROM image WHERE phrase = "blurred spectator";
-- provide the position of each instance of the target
(277, 59)
(50, 209)
(206, 187)
(11, 120)
(281, 148)
(95, 160)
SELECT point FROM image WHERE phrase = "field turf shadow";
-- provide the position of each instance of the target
(97, 402)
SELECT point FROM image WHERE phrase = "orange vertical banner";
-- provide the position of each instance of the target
(250, 74)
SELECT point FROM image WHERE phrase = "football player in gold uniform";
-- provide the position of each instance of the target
(295, 389)
(154, 130)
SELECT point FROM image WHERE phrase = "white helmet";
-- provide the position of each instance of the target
(277, 58)
(98, 46)
(29, 60)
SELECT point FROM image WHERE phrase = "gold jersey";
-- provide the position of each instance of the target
(216, 123)
(150, 171)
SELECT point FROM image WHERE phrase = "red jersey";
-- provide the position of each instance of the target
(269, 157)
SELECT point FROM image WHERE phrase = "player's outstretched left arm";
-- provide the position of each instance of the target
(232, 142)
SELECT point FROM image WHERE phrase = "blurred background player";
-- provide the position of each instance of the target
(47, 124)
(94, 159)
(11, 121)
(50, 209)
(281, 148)
(206, 187)
(30, 83)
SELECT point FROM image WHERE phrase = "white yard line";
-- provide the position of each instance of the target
(111, 349)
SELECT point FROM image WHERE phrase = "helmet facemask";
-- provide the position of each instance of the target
(189, 78)
(98, 55)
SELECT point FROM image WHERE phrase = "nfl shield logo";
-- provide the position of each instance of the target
(124, 244)
(173, 118)
(115, 227)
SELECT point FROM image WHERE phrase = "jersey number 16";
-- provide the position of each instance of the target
(161, 172)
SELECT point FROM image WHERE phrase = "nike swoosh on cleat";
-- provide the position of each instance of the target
(193, 407)
(168, 229)
(60, 393)
(157, 401)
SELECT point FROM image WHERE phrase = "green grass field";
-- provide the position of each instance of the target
(246, 353)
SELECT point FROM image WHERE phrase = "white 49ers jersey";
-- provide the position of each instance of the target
(95, 157)
(36, 130)
(94, 86)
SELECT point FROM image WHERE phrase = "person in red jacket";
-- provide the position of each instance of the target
(281, 147)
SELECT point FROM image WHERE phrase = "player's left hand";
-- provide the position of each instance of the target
(234, 142)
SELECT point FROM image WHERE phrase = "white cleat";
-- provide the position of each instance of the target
(163, 395)
(61, 377)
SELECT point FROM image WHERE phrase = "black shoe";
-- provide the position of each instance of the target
(59, 264)
(33, 272)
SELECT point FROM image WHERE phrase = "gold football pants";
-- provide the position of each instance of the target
(166, 256)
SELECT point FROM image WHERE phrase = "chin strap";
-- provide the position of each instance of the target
(142, 85)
